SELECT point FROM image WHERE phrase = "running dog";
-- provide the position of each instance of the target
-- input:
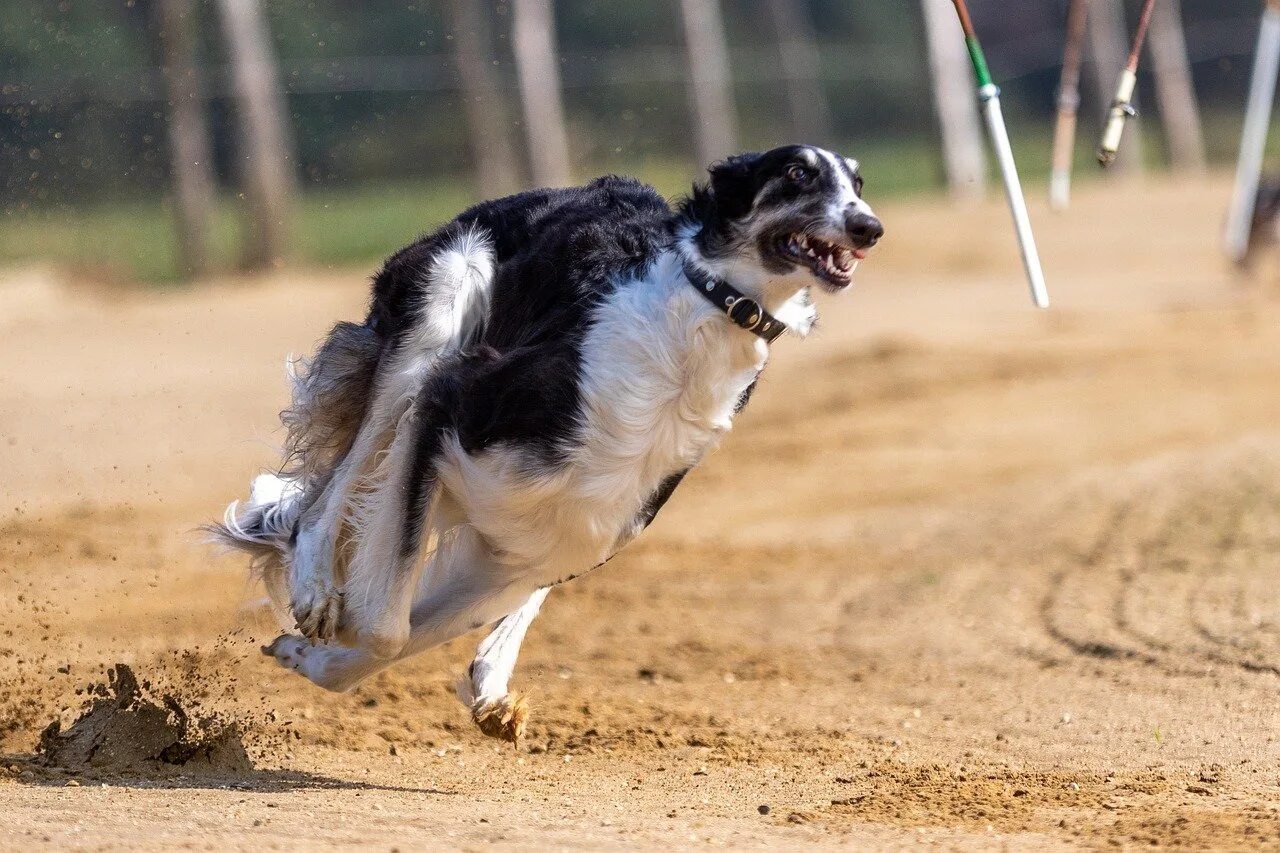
(530, 385)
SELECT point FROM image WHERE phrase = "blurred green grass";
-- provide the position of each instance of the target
(360, 225)
(135, 239)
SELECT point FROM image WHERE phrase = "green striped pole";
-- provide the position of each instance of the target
(979, 60)
(989, 96)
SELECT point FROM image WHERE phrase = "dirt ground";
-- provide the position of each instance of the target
(1012, 580)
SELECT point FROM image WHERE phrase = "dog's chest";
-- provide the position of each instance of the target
(660, 379)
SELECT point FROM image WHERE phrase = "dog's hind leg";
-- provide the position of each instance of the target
(345, 401)
(389, 520)
(315, 596)
(485, 688)
(454, 303)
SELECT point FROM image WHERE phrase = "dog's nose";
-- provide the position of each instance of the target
(863, 229)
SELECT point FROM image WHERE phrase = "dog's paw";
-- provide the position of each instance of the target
(317, 608)
(504, 718)
(289, 650)
(324, 666)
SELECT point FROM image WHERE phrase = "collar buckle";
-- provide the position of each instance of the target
(743, 311)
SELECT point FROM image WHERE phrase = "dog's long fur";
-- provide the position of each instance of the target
(530, 385)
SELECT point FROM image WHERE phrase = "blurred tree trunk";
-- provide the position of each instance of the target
(955, 99)
(533, 34)
(492, 152)
(190, 154)
(1108, 43)
(710, 83)
(801, 71)
(1068, 107)
(1175, 89)
(264, 149)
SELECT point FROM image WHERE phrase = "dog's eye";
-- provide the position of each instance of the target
(797, 174)
(857, 184)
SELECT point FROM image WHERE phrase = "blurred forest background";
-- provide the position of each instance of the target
(384, 117)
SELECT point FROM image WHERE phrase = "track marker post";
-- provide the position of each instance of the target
(1253, 139)
(989, 97)
(1122, 107)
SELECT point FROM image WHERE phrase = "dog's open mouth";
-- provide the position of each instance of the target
(830, 262)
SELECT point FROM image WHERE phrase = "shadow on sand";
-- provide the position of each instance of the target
(31, 769)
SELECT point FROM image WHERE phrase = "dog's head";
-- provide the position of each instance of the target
(796, 208)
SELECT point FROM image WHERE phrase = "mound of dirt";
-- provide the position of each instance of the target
(123, 728)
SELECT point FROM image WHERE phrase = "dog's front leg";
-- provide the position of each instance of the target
(339, 669)
(468, 589)
(484, 689)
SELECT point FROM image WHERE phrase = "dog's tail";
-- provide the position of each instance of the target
(263, 528)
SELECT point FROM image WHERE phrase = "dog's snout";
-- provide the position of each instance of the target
(863, 229)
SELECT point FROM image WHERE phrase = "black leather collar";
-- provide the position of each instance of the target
(743, 311)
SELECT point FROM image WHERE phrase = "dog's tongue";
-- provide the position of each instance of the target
(860, 254)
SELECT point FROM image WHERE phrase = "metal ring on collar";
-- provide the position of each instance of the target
(748, 321)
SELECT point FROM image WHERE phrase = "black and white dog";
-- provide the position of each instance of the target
(530, 385)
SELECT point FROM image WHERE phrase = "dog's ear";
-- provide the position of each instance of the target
(733, 185)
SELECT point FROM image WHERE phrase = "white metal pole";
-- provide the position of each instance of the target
(1253, 139)
(990, 97)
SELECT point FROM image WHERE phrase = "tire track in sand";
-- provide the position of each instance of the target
(1177, 579)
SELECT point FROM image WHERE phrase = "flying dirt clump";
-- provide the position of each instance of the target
(123, 728)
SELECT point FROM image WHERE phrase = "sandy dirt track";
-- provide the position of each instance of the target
(1013, 582)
